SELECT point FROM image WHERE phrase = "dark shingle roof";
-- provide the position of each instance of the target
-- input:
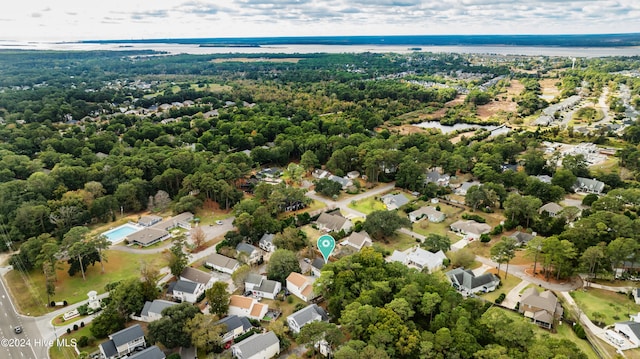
(185, 286)
(156, 306)
(127, 335)
(308, 314)
(109, 348)
(152, 352)
(256, 343)
(233, 321)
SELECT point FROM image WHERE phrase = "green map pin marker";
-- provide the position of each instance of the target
(326, 245)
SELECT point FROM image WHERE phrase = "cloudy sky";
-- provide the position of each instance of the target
(46, 20)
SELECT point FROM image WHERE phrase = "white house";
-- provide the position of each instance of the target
(153, 310)
(316, 266)
(123, 342)
(266, 242)
(467, 282)
(301, 286)
(333, 223)
(419, 258)
(186, 291)
(358, 240)
(234, 325)
(152, 352)
(149, 220)
(247, 307)
(306, 315)
(588, 185)
(253, 254)
(470, 229)
(197, 276)
(463, 188)
(630, 330)
(394, 201)
(221, 263)
(430, 212)
(260, 286)
(259, 346)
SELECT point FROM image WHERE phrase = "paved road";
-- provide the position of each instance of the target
(344, 203)
(12, 345)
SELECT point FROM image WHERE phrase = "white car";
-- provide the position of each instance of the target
(219, 222)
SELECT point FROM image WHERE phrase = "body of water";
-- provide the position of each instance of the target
(307, 49)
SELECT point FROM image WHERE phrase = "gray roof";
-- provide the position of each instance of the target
(127, 335)
(253, 278)
(256, 343)
(246, 248)
(398, 200)
(195, 275)
(108, 348)
(634, 326)
(589, 184)
(152, 352)
(156, 306)
(468, 280)
(331, 221)
(233, 321)
(267, 238)
(341, 180)
(318, 263)
(309, 314)
(267, 286)
(522, 237)
(147, 235)
(551, 207)
(222, 261)
(148, 220)
(185, 286)
(544, 178)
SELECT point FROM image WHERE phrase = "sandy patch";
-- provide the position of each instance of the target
(548, 87)
(503, 102)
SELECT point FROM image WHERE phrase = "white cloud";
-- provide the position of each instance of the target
(113, 19)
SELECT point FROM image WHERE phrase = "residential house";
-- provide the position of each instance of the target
(542, 308)
(463, 188)
(320, 174)
(183, 220)
(353, 175)
(636, 295)
(266, 242)
(221, 263)
(253, 254)
(316, 266)
(262, 287)
(430, 212)
(551, 208)
(419, 258)
(306, 315)
(185, 290)
(344, 182)
(522, 238)
(247, 307)
(434, 176)
(149, 220)
(588, 185)
(630, 330)
(153, 310)
(544, 178)
(470, 229)
(234, 327)
(358, 240)
(333, 223)
(123, 342)
(152, 352)
(148, 236)
(259, 346)
(394, 201)
(467, 282)
(301, 286)
(197, 276)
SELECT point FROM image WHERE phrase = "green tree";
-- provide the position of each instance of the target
(576, 164)
(327, 187)
(205, 336)
(292, 239)
(462, 258)
(171, 329)
(309, 160)
(109, 321)
(281, 264)
(503, 252)
(240, 275)
(564, 178)
(178, 259)
(127, 297)
(521, 209)
(384, 224)
(317, 331)
(437, 242)
(218, 298)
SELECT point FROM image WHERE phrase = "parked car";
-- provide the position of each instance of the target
(17, 329)
(219, 222)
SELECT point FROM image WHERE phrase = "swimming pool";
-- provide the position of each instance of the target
(118, 234)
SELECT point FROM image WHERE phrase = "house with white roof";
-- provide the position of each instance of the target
(301, 286)
(430, 212)
(247, 307)
(221, 263)
(306, 315)
(358, 240)
(258, 346)
(266, 242)
(419, 258)
(262, 287)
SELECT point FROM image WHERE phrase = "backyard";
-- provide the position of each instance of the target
(611, 306)
(28, 289)
(367, 205)
(506, 284)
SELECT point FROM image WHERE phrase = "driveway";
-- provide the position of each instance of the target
(513, 297)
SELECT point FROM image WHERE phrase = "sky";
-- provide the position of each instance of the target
(70, 20)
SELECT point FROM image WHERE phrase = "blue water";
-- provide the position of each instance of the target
(118, 234)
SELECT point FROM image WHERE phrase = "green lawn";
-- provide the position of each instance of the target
(367, 205)
(29, 292)
(613, 306)
(67, 351)
(505, 287)
(399, 241)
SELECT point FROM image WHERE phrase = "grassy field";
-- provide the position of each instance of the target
(505, 287)
(29, 292)
(67, 351)
(399, 241)
(367, 205)
(613, 306)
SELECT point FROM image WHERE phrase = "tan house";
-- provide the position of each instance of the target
(358, 240)
(333, 223)
(542, 308)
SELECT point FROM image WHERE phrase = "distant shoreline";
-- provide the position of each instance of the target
(587, 40)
